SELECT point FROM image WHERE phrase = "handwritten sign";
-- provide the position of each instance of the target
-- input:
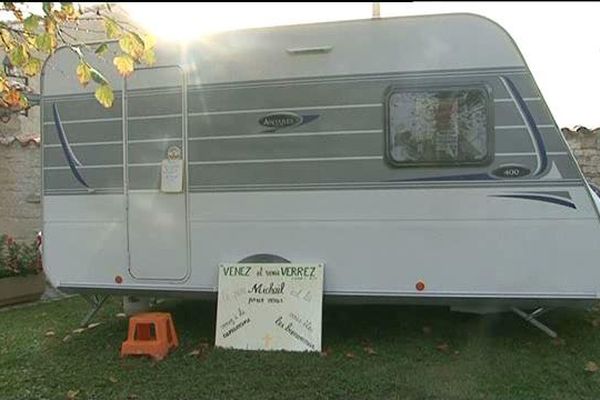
(270, 307)
(171, 176)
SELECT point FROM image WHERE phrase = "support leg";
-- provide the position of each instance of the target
(96, 302)
(531, 318)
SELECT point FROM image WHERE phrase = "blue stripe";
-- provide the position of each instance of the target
(530, 123)
(538, 198)
(69, 155)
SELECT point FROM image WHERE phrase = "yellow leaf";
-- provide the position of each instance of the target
(72, 394)
(149, 57)
(105, 95)
(112, 28)
(149, 40)
(6, 38)
(132, 45)
(124, 64)
(591, 366)
(84, 73)
(33, 67)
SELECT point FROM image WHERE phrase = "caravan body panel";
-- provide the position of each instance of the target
(297, 143)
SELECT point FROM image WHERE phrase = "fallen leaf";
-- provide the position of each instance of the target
(78, 330)
(370, 351)
(71, 394)
(121, 315)
(426, 330)
(66, 338)
(50, 333)
(591, 366)
(350, 355)
(113, 379)
(93, 325)
(456, 352)
(443, 347)
(326, 352)
(194, 353)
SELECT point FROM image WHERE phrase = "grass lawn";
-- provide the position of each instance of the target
(421, 353)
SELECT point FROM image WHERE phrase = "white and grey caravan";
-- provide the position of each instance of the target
(415, 157)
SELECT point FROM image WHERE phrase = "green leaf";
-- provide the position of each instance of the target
(97, 76)
(47, 7)
(45, 42)
(31, 23)
(124, 64)
(104, 94)
(19, 55)
(103, 48)
(84, 73)
(133, 45)
(112, 29)
(32, 67)
(67, 8)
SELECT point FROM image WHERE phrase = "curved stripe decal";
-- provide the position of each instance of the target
(538, 140)
(69, 155)
(538, 197)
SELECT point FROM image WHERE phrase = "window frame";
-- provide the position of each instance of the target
(489, 99)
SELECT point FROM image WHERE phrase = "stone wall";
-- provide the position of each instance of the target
(20, 209)
(586, 148)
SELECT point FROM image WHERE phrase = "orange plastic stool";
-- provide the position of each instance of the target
(151, 334)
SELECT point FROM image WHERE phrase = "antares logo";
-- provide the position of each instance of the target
(280, 120)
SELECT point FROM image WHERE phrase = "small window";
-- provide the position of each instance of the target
(428, 127)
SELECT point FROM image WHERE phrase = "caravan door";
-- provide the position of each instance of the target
(156, 183)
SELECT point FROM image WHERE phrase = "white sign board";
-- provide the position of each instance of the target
(270, 307)
(171, 176)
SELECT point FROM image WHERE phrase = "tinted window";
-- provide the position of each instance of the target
(433, 127)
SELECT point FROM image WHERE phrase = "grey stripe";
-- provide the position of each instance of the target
(164, 104)
(104, 131)
(50, 146)
(313, 107)
(144, 177)
(566, 166)
(389, 185)
(339, 171)
(96, 177)
(149, 152)
(428, 76)
(84, 108)
(518, 140)
(87, 155)
(290, 134)
(287, 146)
(154, 129)
(67, 192)
(329, 120)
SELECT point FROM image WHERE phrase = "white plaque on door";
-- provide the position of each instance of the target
(171, 176)
(270, 307)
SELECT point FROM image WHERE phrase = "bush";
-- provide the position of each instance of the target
(19, 259)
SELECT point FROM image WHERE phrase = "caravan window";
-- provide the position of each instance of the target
(438, 126)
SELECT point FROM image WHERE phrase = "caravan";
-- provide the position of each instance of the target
(414, 157)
